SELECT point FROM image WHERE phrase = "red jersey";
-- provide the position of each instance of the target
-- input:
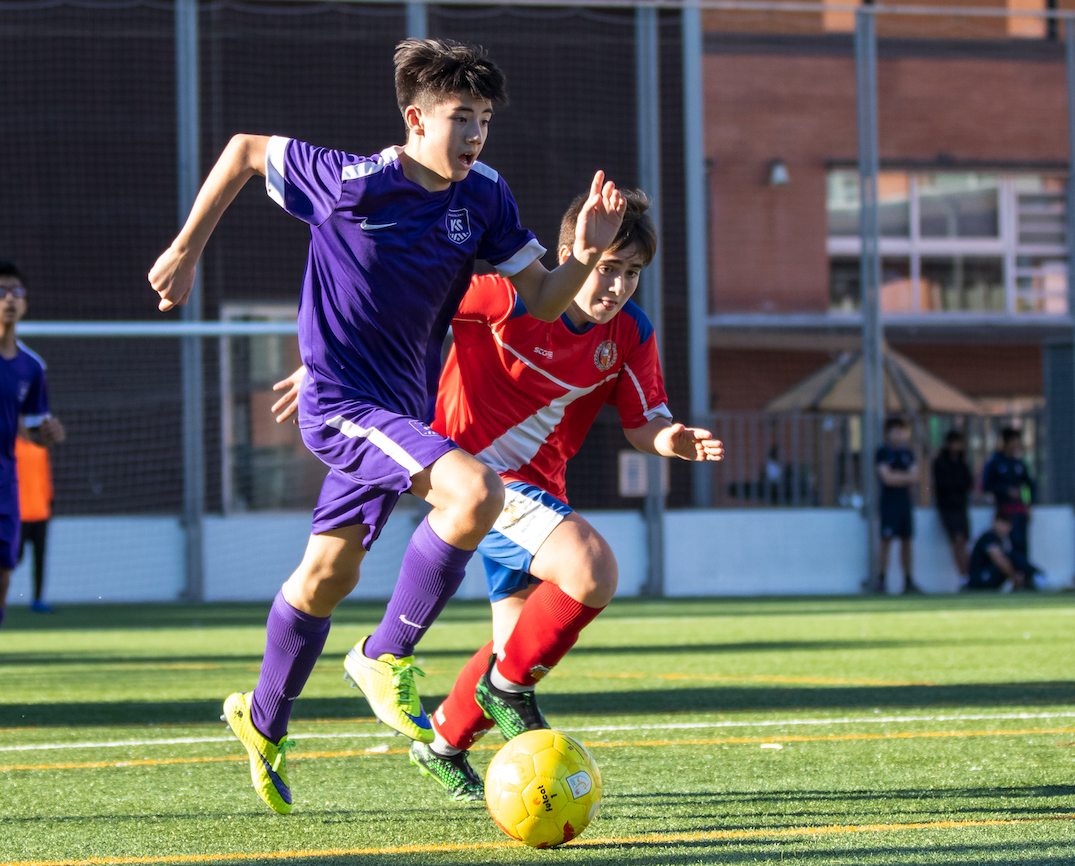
(521, 394)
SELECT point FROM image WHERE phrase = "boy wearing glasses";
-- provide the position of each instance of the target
(23, 396)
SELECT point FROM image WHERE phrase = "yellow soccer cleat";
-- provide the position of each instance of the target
(268, 764)
(388, 684)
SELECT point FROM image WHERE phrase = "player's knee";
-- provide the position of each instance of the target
(481, 496)
(594, 581)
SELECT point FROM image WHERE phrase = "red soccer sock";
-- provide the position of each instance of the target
(459, 719)
(548, 627)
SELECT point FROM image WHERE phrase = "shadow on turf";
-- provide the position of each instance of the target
(83, 658)
(722, 698)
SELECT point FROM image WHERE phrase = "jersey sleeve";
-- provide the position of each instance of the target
(490, 298)
(304, 180)
(506, 245)
(639, 391)
(35, 406)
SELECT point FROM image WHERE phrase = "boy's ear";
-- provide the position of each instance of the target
(415, 120)
(563, 254)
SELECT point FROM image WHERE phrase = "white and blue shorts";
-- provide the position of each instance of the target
(529, 517)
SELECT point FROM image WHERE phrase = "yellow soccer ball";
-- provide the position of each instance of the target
(543, 788)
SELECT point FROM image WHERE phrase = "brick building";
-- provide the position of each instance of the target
(973, 147)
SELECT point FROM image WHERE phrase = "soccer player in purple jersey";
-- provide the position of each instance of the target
(393, 240)
(23, 396)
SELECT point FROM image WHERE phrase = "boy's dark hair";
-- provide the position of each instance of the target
(954, 436)
(637, 227)
(1002, 517)
(894, 421)
(429, 71)
(1010, 433)
(10, 269)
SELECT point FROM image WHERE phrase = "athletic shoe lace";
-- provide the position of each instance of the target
(403, 681)
(281, 749)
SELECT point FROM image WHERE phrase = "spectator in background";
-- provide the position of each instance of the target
(1006, 477)
(994, 562)
(952, 483)
(898, 470)
(35, 508)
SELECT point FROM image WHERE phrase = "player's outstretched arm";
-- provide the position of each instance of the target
(173, 274)
(288, 405)
(546, 294)
(661, 436)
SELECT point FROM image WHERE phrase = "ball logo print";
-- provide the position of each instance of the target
(457, 221)
(580, 783)
(605, 355)
(543, 788)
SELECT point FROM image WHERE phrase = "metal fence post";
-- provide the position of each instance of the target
(188, 177)
(648, 102)
(1069, 54)
(694, 182)
(417, 20)
(869, 275)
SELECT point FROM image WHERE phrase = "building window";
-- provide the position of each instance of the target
(264, 465)
(954, 242)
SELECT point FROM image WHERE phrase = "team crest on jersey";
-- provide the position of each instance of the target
(457, 222)
(605, 356)
(24, 389)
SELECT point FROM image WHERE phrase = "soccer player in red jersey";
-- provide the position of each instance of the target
(521, 394)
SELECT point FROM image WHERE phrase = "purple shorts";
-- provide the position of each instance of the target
(9, 541)
(371, 454)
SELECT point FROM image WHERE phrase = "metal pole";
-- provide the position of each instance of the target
(1069, 54)
(870, 276)
(694, 182)
(189, 171)
(417, 21)
(647, 74)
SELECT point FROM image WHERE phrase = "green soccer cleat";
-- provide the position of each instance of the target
(268, 764)
(513, 712)
(388, 684)
(454, 772)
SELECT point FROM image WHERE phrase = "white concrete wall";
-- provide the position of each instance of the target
(816, 551)
(725, 552)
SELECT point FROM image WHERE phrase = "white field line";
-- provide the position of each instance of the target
(682, 726)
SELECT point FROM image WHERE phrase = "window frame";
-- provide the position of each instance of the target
(1005, 246)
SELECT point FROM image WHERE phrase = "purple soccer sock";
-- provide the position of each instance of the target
(293, 644)
(431, 573)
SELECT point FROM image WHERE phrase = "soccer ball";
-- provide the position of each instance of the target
(543, 788)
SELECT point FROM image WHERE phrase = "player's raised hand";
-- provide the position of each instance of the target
(692, 443)
(172, 277)
(288, 405)
(599, 220)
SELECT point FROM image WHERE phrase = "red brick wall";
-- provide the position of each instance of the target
(746, 379)
(982, 371)
(768, 244)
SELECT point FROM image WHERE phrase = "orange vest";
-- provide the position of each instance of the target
(35, 480)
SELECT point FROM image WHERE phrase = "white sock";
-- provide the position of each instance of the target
(442, 747)
(504, 684)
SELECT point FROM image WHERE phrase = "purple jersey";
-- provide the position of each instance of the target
(389, 262)
(22, 393)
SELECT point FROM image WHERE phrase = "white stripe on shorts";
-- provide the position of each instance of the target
(525, 521)
(375, 437)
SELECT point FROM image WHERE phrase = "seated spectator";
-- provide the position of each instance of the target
(995, 564)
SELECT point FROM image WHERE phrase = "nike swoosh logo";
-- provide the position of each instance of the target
(408, 622)
(278, 783)
(421, 720)
(368, 226)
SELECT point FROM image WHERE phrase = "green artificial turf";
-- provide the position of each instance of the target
(935, 730)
